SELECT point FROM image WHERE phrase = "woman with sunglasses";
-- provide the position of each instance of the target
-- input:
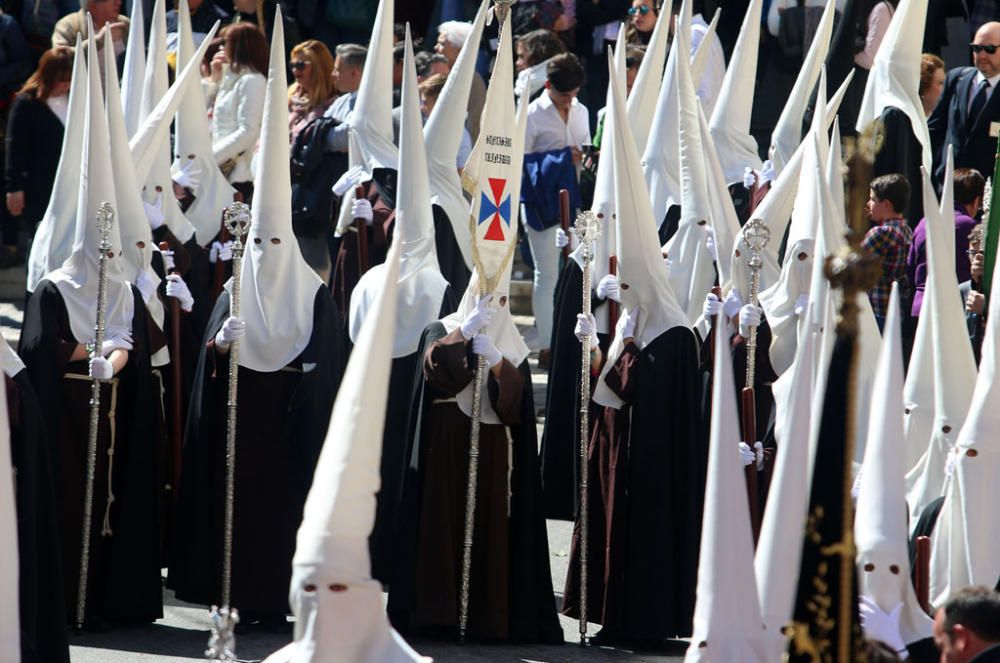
(312, 92)
(641, 21)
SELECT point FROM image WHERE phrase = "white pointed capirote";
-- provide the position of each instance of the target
(894, 79)
(776, 208)
(338, 607)
(421, 286)
(278, 287)
(725, 221)
(193, 145)
(700, 58)
(641, 102)
(644, 279)
(730, 121)
(53, 240)
(443, 136)
(692, 272)
(136, 236)
(954, 372)
(787, 132)
(10, 619)
(134, 72)
(77, 279)
(158, 183)
(789, 497)
(880, 532)
(965, 545)
(728, 627)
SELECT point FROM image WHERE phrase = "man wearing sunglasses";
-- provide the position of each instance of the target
(968, 115)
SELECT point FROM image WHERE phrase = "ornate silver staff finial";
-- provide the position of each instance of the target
(756, 235)
(501, 7)
(222, 642)
(237, 220)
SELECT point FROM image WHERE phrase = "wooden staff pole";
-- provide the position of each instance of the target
(176, 387)
(362, 227)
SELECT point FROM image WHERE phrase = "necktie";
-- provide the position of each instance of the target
(979, 101)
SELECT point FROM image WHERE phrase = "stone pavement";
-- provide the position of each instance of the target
(182, 634)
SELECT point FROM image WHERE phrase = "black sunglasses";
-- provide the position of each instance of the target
(295, 65)
(989, 48)
(642, 9)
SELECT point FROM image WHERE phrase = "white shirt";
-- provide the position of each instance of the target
(710, 84)
(546, 130)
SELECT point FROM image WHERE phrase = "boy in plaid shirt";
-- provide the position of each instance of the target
(889, 238)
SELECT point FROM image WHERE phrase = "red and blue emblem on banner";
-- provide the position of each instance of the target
(495, 210)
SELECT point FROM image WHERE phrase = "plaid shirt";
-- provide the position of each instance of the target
(890, 241)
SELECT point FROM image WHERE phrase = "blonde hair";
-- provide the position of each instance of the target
(320, 86)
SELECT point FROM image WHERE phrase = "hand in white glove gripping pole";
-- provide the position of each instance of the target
(220, 251)
(154, 212)
(232, 329)
(608, 288)
(732, 304)
(748, 455)
(712, 306)
(101, 369)
(749, 317)
(563, 238)
(483, 345)
(188, 175)
(478, 319)
(353, 177)
(710, 243)
(177, 288)
(586, 327)
(361, 208)
(881, 625)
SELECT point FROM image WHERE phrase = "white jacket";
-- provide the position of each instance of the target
(237, 113)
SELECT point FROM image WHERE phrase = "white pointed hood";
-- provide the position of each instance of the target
(894, 79)
(77, 278)
(135, 71)
(278, 287)
(641, 103)
(700, 59)
(728, 627)
(787, 133)
(954, 372)
(193, 142)
(880, 532)
(338, 606)
(421, 285)
(53, 240)
(158, 180)
(136, 236)
(10, 363)
(443, 137)
(692, 272)
(730, 121)
(965, 545)
(788, 503)
(725, 221)
(371, 120)
(10, 620)
(644, 281)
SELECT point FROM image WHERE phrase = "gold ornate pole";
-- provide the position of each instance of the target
(105, 218)
(500, 9)
(222, 643)
(588, 228)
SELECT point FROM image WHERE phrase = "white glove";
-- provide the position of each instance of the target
(767, 173)
(758, 448)
(748, 177)
(353, 177)
(712, 307)
(563, 238)
(168, 260)
(101, 369)
(801, 304)
(177, 288)
(147, 285)
(732, 304)
(483, 345)
(710, 243)
(628, 330)
(362, 209)
(880, 625)
(586, 327)
(949, 465)
(749, 317)
(669, 264)
(478, 319)
(232, 329)
(747, 455)
(608, 288)
(220, 251)
(188, 175)
(154, 212)
(120, 341)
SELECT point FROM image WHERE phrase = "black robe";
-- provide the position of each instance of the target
(124, 577)
(282, 422)
(43, 639)
(654, 511)
(449, 256)
(405, 371)
(901, 153)
(530, 614)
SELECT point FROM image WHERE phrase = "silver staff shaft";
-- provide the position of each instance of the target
(756, 235)
(105, 217)
(470, 497)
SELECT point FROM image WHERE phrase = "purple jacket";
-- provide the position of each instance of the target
(916, 261)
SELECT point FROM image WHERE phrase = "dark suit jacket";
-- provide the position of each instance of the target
(991, 655)
(950, 124)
